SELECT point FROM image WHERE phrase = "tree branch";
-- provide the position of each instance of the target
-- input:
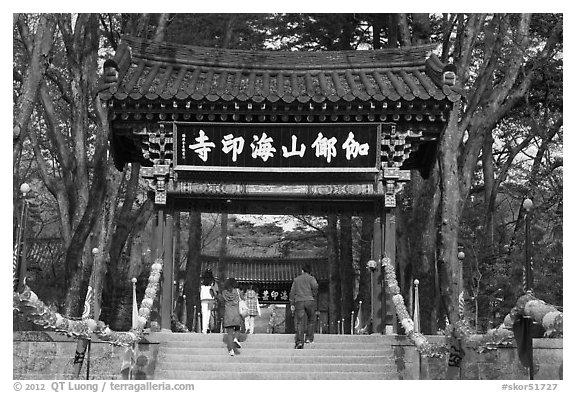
(34, 73)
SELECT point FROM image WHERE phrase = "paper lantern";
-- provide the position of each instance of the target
(398, 299)
(508, 321)
(549, 320)
(150, 292)
(536, 309)
(91, 324)
(147, 302)
(144, 312)
(407, 325)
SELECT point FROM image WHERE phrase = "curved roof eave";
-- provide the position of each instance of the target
(150, 70)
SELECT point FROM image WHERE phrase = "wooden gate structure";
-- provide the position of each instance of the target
(273, 132)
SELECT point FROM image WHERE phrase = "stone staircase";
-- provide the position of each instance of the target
(193, 356)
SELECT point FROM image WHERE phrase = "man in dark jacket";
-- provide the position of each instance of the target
(303, 302)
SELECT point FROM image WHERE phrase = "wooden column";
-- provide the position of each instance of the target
(389, 251)
(167, 274)
(157, 239)
(289, 321)
(377, 278)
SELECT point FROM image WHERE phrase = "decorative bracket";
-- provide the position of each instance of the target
(159, 150)
(393, 180)
(395, 149)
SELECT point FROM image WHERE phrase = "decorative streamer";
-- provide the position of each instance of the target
(83, 344)
(27, 302)
(15, 266)
(357, 328)
(461, 305)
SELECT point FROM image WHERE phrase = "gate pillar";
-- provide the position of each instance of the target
(384, 246)
(389, 251)
(377, 291)
(168, 274)
(163, 249)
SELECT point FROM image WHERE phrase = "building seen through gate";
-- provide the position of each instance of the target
(270, 132)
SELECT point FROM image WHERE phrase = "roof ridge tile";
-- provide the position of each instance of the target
(175, 71)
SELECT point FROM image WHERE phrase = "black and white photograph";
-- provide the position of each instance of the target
(211, 200)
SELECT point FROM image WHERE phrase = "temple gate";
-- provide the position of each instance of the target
(270, 132)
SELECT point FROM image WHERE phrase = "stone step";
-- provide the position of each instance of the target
(325, 338)
(250, 343)
(66, 377)
(260, 351)
(272, 375)
(273, 358)
(195, 356)
(239, 363)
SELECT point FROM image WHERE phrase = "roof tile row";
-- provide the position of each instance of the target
(176, 72)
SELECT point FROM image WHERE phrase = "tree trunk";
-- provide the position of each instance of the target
(403, 32)
(364, 286)
(489, 184)
(421, 29)
(346, 271)
(334, 294)
(378, 23)
(39, 49)
(102, 259)
(228, 32)
(403, 260)
(193, 268)
(450, 212)
(222, 268)
(347, 32)
(125, 219)
(177, 243)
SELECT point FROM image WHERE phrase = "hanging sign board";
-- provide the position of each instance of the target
(277, 147)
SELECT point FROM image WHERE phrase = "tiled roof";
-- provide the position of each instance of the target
(165, 71)
(247, 270)
(262, 252)
(261, 247)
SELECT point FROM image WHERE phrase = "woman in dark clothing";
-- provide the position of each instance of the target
(232, 318)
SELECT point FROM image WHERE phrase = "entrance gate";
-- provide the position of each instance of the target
(276, 133)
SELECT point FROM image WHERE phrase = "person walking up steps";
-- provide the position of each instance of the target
(232, 318)
(303, 303)
(251, 298)
(208, 291)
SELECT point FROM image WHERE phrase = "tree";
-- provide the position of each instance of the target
(510, 120)
(504, 48)
(59, 88)
(69, 78)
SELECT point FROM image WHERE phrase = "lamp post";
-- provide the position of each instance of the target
(528, 274)
(371, 265)
(416, 314)
(528, 281)
(461, 256)
(96, 282)
(20, 253)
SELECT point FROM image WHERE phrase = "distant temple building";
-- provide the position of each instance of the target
(270, 269)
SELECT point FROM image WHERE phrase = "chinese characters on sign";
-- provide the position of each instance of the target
(273, 296)
(203, 146)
